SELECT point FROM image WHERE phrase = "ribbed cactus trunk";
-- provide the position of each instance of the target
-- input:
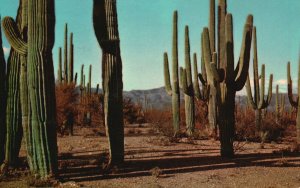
(13, 107)
(189, 94)
(66, 55)
(106, 30)
(71, 60)
(42, 147)
(59, 69)
(173, 90)
(2, 100)
(294, 103)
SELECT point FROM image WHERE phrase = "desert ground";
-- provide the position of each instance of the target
(152, 160)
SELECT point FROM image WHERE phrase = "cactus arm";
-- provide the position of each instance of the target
(262, 89)
(211, 71)
(168, 86)
(222, 11)
(183, 80)
(212, 26)
(13, 35)
(269, 97)
(196, 82)
(290, 87)
(200, 76)
(243, 65)
(249, 94)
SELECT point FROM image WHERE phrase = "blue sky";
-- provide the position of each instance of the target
(146, 31)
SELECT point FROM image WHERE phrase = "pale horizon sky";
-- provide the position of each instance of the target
(146, 33)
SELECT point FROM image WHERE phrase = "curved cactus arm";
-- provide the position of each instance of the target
(249, 94)
(168, 86)
(269, 97)
(290, 87)
(183, 80)
(13, 35)
(243, 65)
(211, 71)
(197, 91)
(200, 76)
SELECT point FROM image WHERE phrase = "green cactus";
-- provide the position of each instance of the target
(234, 79)
(40, 20)
(90, 81)
(66, 55)
(2, 100)
(293, 102)
(106, 30)
(59, 70)
(279, 105)
(13, 106)
(258, 102)
(75, 78)
(187, 86)
(173, 90)
(71, 60)
(210, 83)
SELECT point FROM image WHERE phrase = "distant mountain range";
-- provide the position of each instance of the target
(158, 98)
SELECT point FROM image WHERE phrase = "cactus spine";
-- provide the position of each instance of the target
(173, 90)
(90, 81)
(42, 124)
(234, 79)
(279, 105)
(2, 100)
(293, 102)
(258, 103)
(106, 30)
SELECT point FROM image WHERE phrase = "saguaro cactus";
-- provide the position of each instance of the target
(294, 103)
(279, 105)
(258, 102)
(106, 29)
(42, 124)
(234, 79)
(66, 55)
(187, 86)
(59, 70)
(173, 90)
(67, 73)
(13, 107)
(2, 100)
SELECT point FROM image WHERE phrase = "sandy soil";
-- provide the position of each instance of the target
(153, 161)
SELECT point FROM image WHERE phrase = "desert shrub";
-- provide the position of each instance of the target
(133, 113)
(161, 121)
(66, 102)
(90, 110)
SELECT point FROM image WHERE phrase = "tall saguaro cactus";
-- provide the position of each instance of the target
(294, 103)
(2, 99)
(173, 90)
(258, 102)
(106, 29)
(37, 49)
(234, 79)
(13, 107)
(187, 85)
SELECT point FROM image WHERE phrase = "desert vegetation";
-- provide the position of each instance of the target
(63, 131)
